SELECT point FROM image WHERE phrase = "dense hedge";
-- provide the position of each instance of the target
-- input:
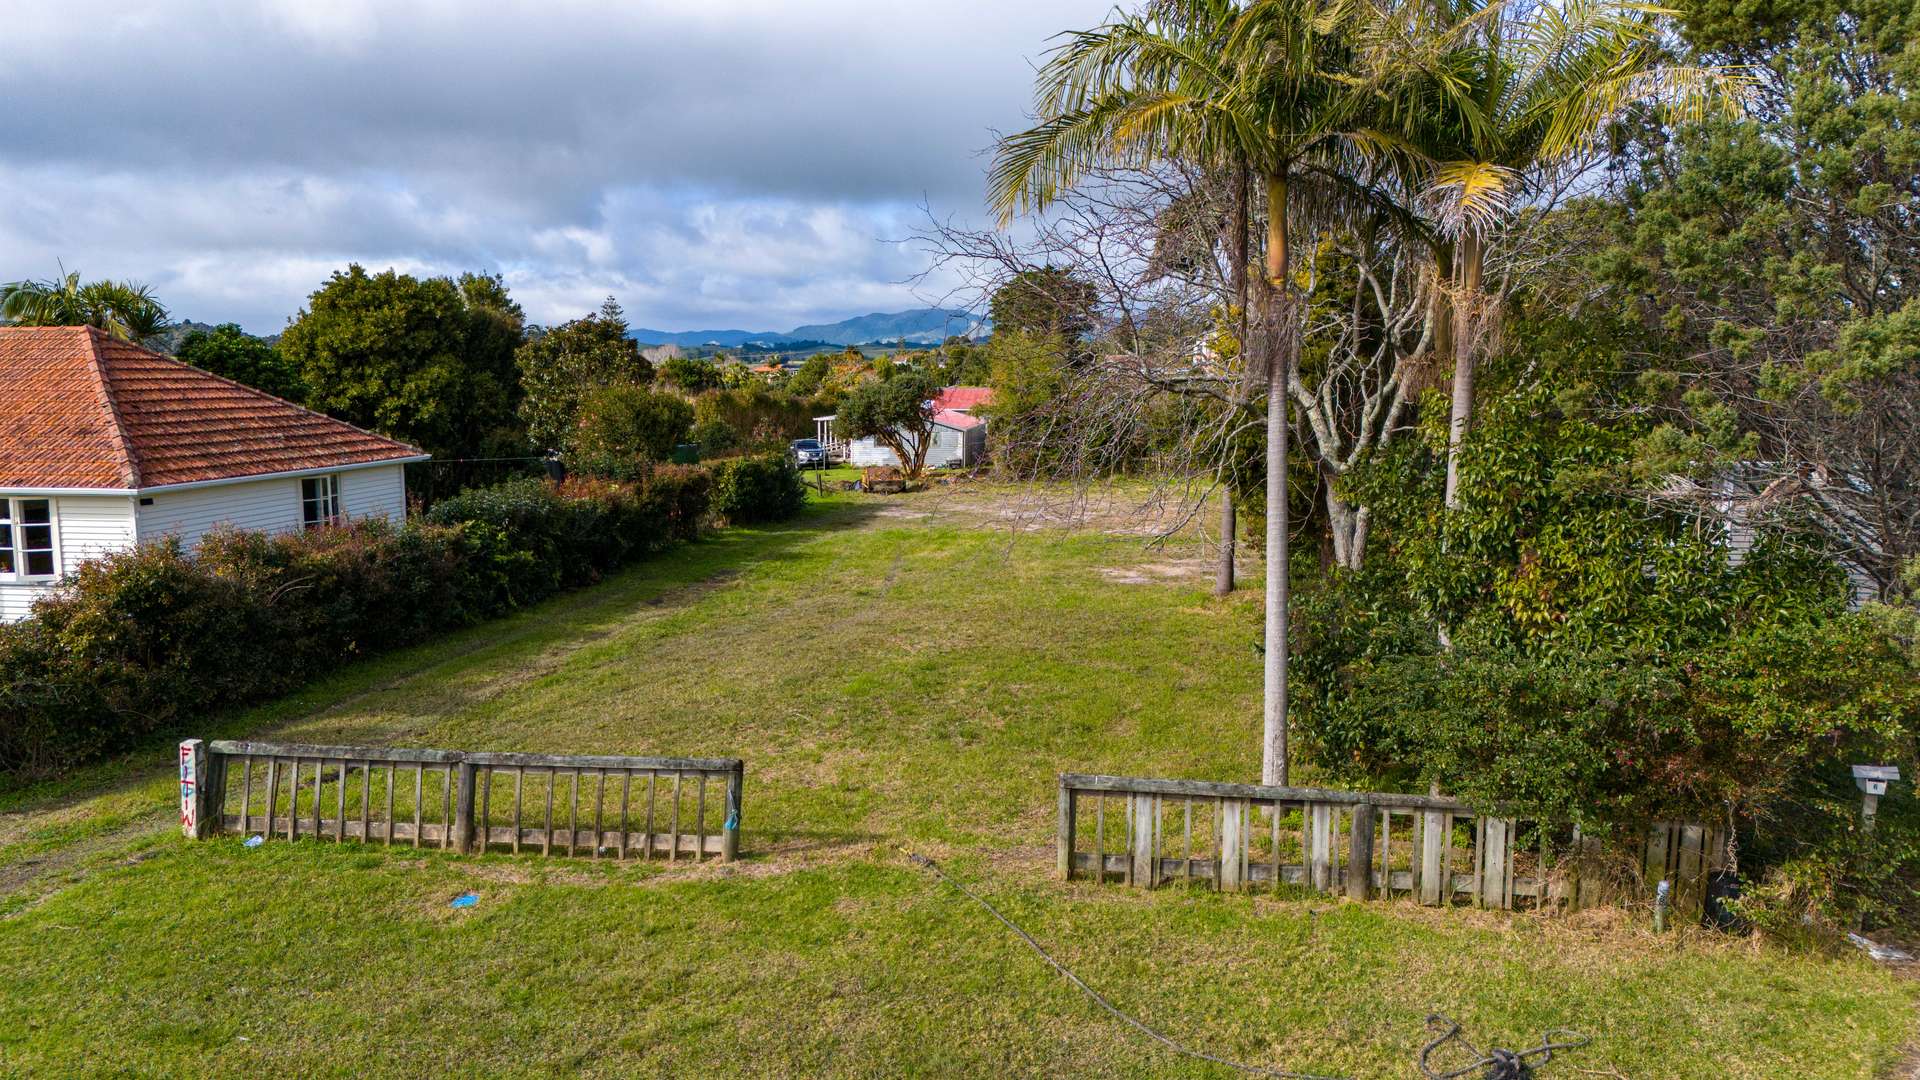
(756, 489)
(143, 641)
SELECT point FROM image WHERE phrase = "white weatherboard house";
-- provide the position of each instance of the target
(959, 437)
(105, 445)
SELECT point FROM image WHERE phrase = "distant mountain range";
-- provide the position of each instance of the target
(921, 326)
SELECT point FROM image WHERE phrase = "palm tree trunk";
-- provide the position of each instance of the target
(1229, 526)
(1466, 307)
(1279, 310)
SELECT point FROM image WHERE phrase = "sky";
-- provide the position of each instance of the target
(713, 164)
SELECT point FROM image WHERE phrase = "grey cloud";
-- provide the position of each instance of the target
(703, 160)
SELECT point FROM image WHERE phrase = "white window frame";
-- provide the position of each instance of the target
(327, 496)
(15, 535)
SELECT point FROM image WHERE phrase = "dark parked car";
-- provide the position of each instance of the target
(809, 454)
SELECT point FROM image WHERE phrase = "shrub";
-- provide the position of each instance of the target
(755, 489)
(714, 436)
(143, 641)
(623, 429)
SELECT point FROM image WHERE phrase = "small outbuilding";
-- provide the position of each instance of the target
(959, 436)
(105, 445)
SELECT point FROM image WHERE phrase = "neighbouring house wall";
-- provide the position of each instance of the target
(948, 449)
(377, 492)
(84, 527)
(976, 445)
(88, 527)
(268, 505)
(263, 505)
(91, 526)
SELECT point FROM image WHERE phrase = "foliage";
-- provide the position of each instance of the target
(965, 363)
(749, 490)
(714, 436)
(232, 353)
(811, 377)
(689, 374)
(761, 418)
(1049, 302)
(139, 642)
(427, 360)
(623, 429)
(562, 367)
(898, 413)
(1775, 267)
(1609, 662)
(125, 309)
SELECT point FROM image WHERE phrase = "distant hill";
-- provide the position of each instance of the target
(168, 340)
(921, 326)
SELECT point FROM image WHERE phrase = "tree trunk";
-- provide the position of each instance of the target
(1279, 310)
(1348, 525)
(1466, 309)
(1229, 528)
(1223, 579)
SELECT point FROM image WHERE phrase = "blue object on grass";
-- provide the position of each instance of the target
(255, 841)
(465, 899)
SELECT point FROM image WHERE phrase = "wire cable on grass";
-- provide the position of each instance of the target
(1498, 1064)
(1257, 1070)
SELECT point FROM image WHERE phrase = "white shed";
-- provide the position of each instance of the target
(104, 445)
(959, 437)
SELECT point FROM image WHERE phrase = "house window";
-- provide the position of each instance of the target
(320, 501)
(26, 537)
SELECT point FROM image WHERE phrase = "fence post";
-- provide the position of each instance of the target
(730, 829)
(462, 807)
(1360, 852)
(1064, 862)
(195, 821)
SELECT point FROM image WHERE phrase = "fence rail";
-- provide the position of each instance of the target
(1148, 832)
(468, 801)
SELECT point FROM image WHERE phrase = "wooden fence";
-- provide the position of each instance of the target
(635, 807)
(1243, 836)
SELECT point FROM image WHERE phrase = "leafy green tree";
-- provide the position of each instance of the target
(232, 353)
(1046, 301)
(963, 363)
(689, 374)
(419, 359)
(127, 310)
(625, 428)
(1774, 263)
(811, 377)
(560, 368)
(896, 412)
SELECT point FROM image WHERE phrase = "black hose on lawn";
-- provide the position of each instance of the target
(1499, 1064)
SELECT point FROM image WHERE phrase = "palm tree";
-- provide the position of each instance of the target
(1518, 99)
(125, 309)
(1280, 87)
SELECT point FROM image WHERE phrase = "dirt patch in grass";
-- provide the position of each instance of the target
(1159, 572)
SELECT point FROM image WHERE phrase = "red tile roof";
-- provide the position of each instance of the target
(79, 409)
(963, 398)
(957, 420)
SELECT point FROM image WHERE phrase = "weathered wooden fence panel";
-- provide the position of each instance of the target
(1358, 844)
(645, 807)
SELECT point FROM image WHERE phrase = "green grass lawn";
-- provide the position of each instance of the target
(900, 675)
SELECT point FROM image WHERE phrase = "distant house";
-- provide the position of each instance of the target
(959, 437)
(104, 445)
